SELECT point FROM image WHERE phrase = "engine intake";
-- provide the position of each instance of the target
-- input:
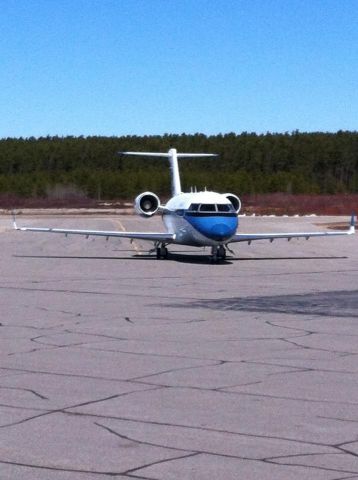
(234, 200)
(146, 204)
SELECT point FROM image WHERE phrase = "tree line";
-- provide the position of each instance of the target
(248, 163)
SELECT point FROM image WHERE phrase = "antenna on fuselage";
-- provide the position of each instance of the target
(172, 156)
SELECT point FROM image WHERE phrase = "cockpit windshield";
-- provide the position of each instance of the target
(194, 207)
(207, 207)
(225, 207)
(211, 207)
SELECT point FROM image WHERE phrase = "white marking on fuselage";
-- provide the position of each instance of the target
(184, 200)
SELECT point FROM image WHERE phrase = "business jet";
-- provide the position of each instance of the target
(199, 219)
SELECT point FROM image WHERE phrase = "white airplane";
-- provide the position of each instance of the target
(196, 219)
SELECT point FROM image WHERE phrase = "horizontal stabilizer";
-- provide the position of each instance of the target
(167, 155)
(145, 154)
(172, 156)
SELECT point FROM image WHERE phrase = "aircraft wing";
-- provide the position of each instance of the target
(250, 237)
(151, 236)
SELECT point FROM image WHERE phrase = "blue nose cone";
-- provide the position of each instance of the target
(215, 227)
(220, 231)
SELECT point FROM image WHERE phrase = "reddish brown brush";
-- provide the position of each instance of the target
(283, 203)
(260, 204)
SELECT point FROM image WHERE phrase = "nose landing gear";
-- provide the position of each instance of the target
(218, 253)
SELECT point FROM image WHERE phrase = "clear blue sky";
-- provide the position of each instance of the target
(144, 67)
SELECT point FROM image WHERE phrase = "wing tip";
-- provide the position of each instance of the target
(352, 227)
(14, 224)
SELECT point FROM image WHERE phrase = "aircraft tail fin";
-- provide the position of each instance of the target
(172, 156)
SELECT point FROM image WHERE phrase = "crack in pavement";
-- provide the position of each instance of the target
(265, 460)
(47, 290)
(73, 470)
(83, 404)
(138, 380)
(172, 370)
(191, 452)
(141, 442)
(198, 427)
(248, 394)
(237, 457)
(158, 462)
(25, 390)
(311, 369)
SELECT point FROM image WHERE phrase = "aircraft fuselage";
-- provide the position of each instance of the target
(200, 219)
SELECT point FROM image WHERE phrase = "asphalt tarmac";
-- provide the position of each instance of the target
(118, 365)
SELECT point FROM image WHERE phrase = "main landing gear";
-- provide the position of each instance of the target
(218, 253)
(162, 252)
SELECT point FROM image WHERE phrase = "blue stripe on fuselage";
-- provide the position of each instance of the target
(214, 225)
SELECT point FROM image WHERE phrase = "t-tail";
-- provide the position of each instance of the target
(173, 156)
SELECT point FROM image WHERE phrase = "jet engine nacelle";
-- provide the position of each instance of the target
(234, 200)
(146, 204)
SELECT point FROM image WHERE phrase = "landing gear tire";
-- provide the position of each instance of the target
(162, 252)
(222, 252)
(218, 254)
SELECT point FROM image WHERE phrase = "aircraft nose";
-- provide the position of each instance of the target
(216, 228)
(221, 231)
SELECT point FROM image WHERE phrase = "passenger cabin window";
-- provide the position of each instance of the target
(207, 207)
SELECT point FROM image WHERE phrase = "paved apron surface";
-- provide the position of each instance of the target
(116, 365)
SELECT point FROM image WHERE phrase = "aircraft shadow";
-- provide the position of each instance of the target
(82, 257)
(242, 259)
(182, 258)
(205, 259)
(188, 258)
